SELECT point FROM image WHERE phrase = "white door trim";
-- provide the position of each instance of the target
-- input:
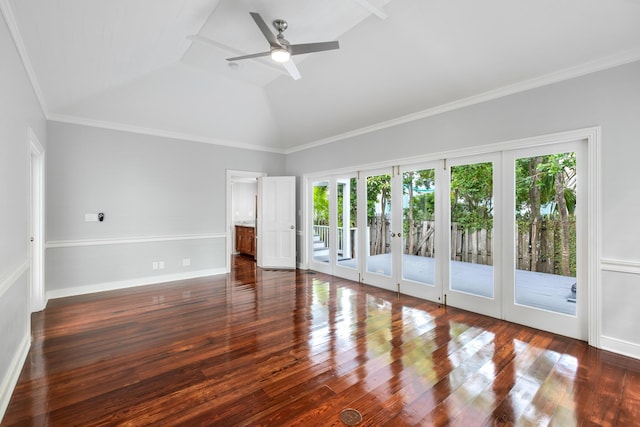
(36, 160)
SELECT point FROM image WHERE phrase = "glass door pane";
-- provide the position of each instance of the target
(378, 193)
(472, 211)
(418, 226)
(545, 238)
(320, 210)
(347, 223)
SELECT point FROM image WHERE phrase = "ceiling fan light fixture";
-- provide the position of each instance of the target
(280, 55)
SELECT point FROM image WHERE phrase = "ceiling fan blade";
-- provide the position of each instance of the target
(291, 68)
(271, 38)
(253, 55)
(297, 49)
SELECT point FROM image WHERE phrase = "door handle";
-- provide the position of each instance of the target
(293, 227)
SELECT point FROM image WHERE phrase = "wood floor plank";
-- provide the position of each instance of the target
(274, 348)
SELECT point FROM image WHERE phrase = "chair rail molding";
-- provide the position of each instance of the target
(125, 240)
(8, 281)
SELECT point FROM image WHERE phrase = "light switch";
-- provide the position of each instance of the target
(91, 217)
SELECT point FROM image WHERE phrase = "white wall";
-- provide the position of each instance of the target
(610, 99)
(163, 200)
(19, 111)
(244, 201)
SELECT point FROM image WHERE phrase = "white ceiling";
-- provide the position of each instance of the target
(133, 64)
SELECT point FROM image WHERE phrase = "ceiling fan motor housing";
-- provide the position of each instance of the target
(280, 25)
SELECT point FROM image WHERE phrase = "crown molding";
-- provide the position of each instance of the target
(601, 64)
(10, 19)
(84, 121)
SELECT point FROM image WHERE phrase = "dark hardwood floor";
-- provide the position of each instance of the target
(279, 348)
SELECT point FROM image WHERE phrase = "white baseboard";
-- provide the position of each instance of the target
(619, 346)
(130, 283)
(10, 380)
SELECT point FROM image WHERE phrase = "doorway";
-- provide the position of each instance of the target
(242, 192)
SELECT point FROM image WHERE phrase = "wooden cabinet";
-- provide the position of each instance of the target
(246, 240)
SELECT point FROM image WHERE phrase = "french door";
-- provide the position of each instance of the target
(321, 244)
(380, 227)
(345, 227)
(545, 228)
(471, 269)
(334, 246)
(501, 233)
(419, 270)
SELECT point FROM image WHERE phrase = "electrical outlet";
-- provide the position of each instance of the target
(186, 262)
(154, 266)
(161, 265)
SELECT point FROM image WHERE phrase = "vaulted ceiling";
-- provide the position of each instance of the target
(159, 66)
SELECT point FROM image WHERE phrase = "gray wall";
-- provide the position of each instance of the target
(19, 111)
(147, 187)
(610, 99)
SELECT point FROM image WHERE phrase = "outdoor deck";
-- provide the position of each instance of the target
(541, 290)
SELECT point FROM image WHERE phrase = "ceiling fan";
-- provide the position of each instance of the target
(281, 50)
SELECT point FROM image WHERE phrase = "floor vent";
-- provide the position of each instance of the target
(350, 417)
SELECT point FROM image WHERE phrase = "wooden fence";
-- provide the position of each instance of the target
(476, 246)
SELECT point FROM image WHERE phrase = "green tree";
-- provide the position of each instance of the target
(472, 196)
(547, 180)
(320, 204)
(416, 184)
(378, 192)
(562, 169)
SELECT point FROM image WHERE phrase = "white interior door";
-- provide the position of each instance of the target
(276, 228)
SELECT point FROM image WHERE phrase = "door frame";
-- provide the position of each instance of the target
(234, 176)
(38, 300)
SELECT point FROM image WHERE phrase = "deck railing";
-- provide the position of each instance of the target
(322, 231)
